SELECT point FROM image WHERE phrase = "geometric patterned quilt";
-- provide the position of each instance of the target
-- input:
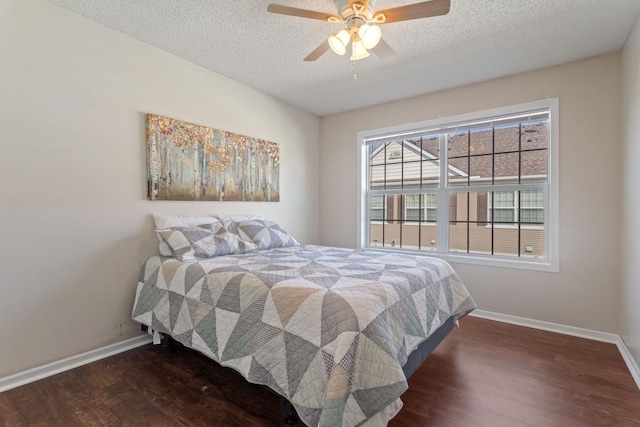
(327, 328)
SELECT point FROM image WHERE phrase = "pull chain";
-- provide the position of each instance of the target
(353, 63)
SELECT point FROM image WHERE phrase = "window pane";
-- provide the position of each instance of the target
(410, 235)
(532, 216)
(413, 200)
(392, 234)
(393, 175)
(507, 139)
(506, 168)
(467, 222)
(458, 171)
(393, 152)
(458, 237)
(505, 241)
(430, 173)
(480, 238)
(471, 232)
(481, 141)
(375, 234)
(502, 199)
(531, 199)
(458, 145)
(431, 147)
(377, 214)
(428, 234)
(376, 154)
(411, 174)
(534, 166)
(420, 207)
(535, 135)
(376, 177)
(421, 166)
(377, 201)
(503, 215)
(532, 207)
(413, 214)
(377, 207)
(481, 169)
(532, 242)
(430, 200)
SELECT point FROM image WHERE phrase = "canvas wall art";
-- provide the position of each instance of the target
(186, 161)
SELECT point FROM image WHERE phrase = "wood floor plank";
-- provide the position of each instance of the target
(484, 374)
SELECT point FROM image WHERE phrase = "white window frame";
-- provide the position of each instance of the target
(550, 261)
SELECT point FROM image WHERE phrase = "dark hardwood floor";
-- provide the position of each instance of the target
(483, 374)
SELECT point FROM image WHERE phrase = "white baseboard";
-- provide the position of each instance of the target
(629, 360)
(44, 371)
(567, 330)
(548, 326)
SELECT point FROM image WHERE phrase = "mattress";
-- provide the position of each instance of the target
(329, 329)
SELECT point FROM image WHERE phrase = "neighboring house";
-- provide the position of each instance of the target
(499, 222)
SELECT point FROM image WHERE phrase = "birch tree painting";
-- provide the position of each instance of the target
(186, 161)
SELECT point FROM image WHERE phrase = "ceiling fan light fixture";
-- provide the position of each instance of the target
(370, 35)
(358, 51)
(338, 42)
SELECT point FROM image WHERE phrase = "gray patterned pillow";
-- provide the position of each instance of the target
(205, 241)
(179, 240)
(223, 242)
(175, 222)
(265, 234)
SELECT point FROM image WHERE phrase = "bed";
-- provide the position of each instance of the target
(334, 331)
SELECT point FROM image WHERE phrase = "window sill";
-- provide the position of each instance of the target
(515, 227)
(404, 224)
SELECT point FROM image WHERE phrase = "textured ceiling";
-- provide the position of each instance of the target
(477, 40)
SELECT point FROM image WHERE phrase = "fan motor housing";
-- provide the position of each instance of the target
(346, 11)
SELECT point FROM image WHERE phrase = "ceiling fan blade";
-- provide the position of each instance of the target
(302, 13)
(318, 52)
(416, 11)
(384, 51)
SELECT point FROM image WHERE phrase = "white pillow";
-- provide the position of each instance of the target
(163, 222)
(238, 218)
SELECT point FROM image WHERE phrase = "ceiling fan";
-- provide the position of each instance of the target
(362, 22)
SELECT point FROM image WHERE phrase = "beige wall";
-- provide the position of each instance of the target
(630, 293)
(77, 225)
(585, 291)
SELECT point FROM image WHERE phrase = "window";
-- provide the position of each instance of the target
(502, 207)
(378, 206)
(531, 207)
(509, 207)
(420, 207)
(497, 170)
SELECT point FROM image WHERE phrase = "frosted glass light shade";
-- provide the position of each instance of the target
(358, 51)
(370, 35)
(339, 41)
